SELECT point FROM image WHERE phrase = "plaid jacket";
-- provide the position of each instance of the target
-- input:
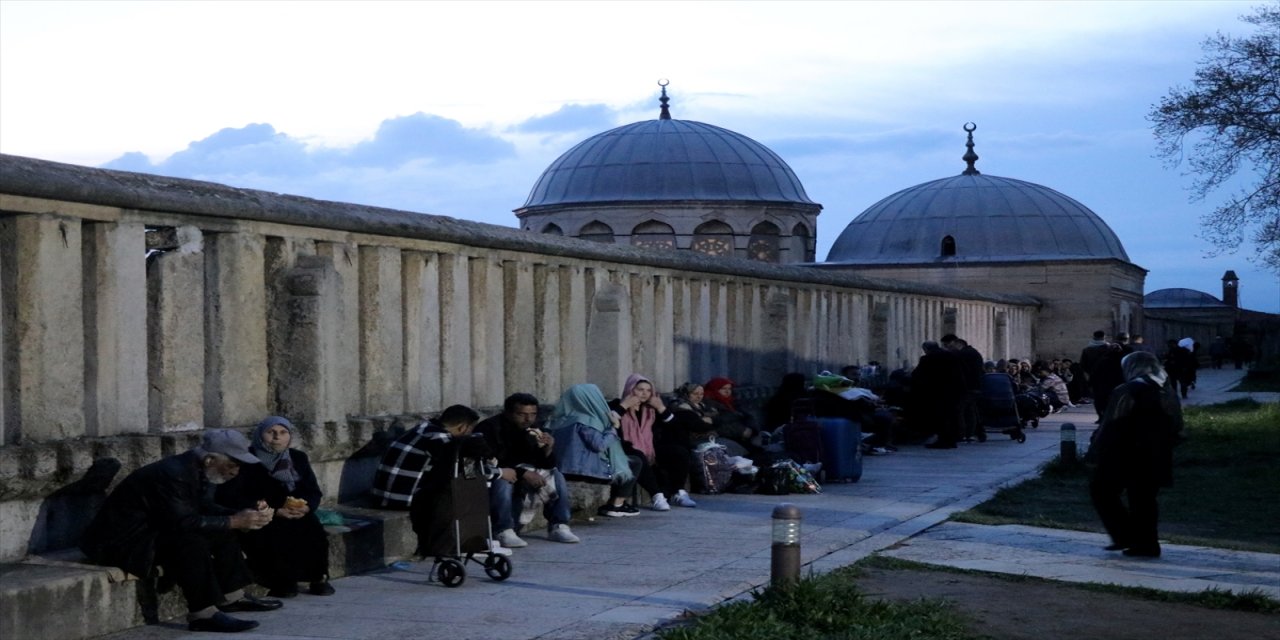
(411, 458)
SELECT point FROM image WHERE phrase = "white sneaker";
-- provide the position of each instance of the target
(497, 549)
(682, 499)
(509, 539)
(660, 503)
(560, 533)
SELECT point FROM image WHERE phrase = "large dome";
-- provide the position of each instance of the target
(1178, 298)
(975, 218)
(666, 160)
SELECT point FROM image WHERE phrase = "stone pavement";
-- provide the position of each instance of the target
(629, 575)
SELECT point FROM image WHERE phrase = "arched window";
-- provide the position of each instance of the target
(553, 229)
(763, 245)
(597, 231)
(713, 238)
(948, 246)
(653, 235)
(800, 247)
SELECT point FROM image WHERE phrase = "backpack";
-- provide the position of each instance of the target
(802, 437)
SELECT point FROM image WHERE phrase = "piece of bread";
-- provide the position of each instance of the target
(294, 503)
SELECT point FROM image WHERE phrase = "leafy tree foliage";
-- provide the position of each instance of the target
(1230, 119)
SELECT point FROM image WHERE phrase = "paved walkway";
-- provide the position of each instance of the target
(629, 575)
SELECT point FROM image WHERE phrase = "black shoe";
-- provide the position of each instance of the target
(1118, 546)
(221, 623)
(1143, 552)
(250, 603)
(289, 591)
(320, 588)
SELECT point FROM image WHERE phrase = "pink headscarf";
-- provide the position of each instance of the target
(637, 424)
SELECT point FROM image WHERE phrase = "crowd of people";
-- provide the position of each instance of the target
(234, 511)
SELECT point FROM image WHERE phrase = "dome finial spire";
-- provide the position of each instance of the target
(969, 156)
(666, 112)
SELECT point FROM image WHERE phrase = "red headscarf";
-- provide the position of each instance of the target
(713, 391)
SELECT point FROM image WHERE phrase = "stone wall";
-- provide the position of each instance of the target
(135, 309)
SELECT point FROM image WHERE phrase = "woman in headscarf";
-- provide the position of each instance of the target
(694, 419)
(660, 464)
(1134, 450)
(731, 424)
(294, 547)
(1181, 364)
(587, 445)
(777, 410)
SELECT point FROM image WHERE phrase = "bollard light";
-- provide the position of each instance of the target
(785, 560)
(1067, 446)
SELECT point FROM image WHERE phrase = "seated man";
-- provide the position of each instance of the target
(528, 462)
(416, 469)
(163, 515)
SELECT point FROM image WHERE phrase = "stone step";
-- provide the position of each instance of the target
(58, 596)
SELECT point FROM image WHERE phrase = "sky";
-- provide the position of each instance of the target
(457, 108)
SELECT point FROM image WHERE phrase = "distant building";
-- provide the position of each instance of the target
(1173, 314)
(676, 184)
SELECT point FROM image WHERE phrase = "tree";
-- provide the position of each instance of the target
(1230, 117)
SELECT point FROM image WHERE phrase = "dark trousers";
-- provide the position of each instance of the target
(206, 565)
(287, 552)
(671, 467)
(1135, 525)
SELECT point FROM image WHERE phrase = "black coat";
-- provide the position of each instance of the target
(1134, 444)
(169, 495)
(512, 445)
(255, 483)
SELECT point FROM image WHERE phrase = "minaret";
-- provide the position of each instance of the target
(1231, 289)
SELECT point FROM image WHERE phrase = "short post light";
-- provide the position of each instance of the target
(785, 561)
(1067, 446)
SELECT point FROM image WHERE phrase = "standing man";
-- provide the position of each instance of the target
(937, 389)
(1089, 358)
(163, 515)
(527, 459)
(971, 367)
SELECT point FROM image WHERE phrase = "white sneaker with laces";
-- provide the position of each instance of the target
(497, 549)
(561, 533)
(509, 539)
(682, 499)
(660, 503)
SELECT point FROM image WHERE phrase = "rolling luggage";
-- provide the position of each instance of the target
(841, 450)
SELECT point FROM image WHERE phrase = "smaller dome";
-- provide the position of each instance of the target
(1178, 298)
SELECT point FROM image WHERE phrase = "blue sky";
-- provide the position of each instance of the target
(456, 108)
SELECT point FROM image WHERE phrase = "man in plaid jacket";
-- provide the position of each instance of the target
(408, 463)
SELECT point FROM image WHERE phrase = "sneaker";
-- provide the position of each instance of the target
(497, 549)
(610, 511)
(509, 539)
(660, 503)
(628, 510)
(561, 533)
(682, 499)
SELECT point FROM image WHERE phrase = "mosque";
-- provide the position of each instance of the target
(689, 186)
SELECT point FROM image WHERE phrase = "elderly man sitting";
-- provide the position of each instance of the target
(163, 515)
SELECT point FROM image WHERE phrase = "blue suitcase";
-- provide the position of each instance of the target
(841, 450)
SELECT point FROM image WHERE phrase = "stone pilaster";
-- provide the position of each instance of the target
(487, 337)
(548, 357)
(307, 364)
(455, 329)
(381, 331)
(608, 338)
(344, 259)
(175, 329)
(663, 339)
(573, 325)
(519, 326)
(421, 331)
(236, 383)
(115, 328)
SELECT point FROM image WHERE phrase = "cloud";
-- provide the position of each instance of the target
(571, 118)
(423, 136)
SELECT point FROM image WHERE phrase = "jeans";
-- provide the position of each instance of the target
(506, 501)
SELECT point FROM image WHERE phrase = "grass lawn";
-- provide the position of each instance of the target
(1226, 481)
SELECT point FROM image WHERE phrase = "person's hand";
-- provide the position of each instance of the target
(546, 439)
(532, 479)
(630, 402)
(251, 519)
(655, 401)
(509, 475)
(292, 513)
(707, 419)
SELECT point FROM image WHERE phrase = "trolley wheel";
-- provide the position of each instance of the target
(982, 434)
(1022, 437)
(1035, 423)
(498, 567)
(451, 573)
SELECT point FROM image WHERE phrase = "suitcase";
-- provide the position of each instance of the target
(841, 450)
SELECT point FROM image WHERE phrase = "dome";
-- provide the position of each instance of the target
(1178, 298)
(987, 218)
(972, 218)
(666, 160)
